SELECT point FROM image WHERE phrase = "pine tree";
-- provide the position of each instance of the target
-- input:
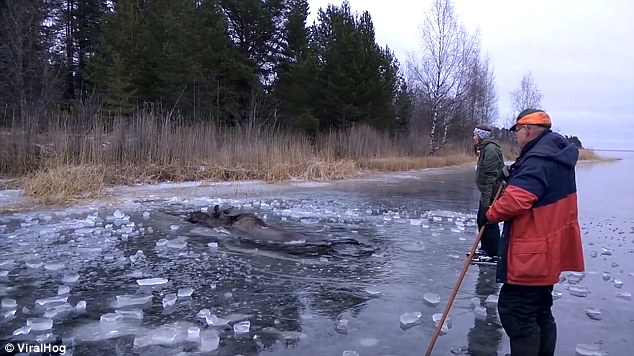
(78, 27)
(358, 80)
(117, 66)
(255, 28)
(297, 71)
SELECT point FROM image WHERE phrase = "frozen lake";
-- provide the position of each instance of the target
(128, 277)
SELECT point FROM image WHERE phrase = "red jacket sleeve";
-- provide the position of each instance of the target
(513, 202)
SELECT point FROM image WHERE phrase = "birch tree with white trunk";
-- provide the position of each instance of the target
(442, 73)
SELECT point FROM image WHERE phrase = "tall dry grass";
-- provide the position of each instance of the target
(62, 162)
(590, 155)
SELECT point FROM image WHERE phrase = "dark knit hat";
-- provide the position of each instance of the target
(532, 117)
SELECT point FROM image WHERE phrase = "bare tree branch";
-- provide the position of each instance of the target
(445, 74)
(527, 95)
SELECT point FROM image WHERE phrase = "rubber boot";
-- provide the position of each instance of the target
(525, 346)
(548, 340)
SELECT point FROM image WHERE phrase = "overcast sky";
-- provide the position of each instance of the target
(580, 54)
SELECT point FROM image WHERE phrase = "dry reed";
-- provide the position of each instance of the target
(63, 163)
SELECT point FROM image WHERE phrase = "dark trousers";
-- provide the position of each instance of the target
(525, 313)
(525, 310)
(491, 236)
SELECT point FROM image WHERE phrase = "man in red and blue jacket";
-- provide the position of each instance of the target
(541, 236)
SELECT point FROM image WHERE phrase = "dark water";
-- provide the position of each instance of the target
(414, 230)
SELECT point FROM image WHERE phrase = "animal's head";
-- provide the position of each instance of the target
(216, 211)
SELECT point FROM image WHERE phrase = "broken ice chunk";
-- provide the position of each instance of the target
(193, 333)
(492, 300)
(8, 303)
(242, 327)
(81, 305)
(134, 314)
(213, 320)
(177, 244)
(110, 318)
(128, 300)
(342, 326)
(350, 353)
(618, 283)
(185, 292)
(624, 295)
(161, 242)
(169, 300)
(606, 276)
(445, 326)
(34, 265)
(606, 251)
(410, 319)
(589, 350)
(373, 290)
(44, 337)
(556, 294)
(578, 291)
(578, 275)
(209, 340)
(39, 324)
(432, 298)
(8, 264)
(54, 266)
(174, 227)
(57, 309)
(44, 301)
(118, 214)
(203, 313)
(594, 313)
(8, 315)
(70, 278)
(164, 335)
(151, 281)
(63, 289)
(22, 331)
(480, 312)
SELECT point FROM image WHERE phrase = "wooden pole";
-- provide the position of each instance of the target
(452, 297)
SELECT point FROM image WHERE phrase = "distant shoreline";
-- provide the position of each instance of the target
(26, 200)
(611, 150)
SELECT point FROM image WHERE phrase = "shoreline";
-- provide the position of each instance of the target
(15, 201)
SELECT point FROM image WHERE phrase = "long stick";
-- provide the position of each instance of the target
(465, 266)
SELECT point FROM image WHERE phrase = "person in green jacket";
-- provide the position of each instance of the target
(490, 163)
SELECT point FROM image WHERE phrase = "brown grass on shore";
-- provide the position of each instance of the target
(393, 164)
(63, 184)
(63, 164)
(590, 155)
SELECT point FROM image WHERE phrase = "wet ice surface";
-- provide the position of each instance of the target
(132, 279)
